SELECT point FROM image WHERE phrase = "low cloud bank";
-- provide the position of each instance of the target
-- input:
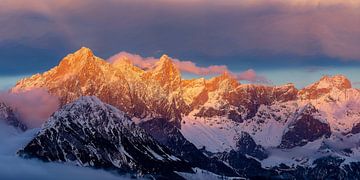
(14, 167)
(34, 106)
(190, 67)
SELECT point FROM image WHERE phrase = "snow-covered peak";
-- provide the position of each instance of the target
(165, 57)
(83, 58)
(165, 73)
(325, 85)
(91, 106)
(337, 81)
(84, 51)
(224, 81)
(165, 64)
(91, 133)
(88, 101)
(327, 82)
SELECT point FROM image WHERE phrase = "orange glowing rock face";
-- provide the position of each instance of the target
(166, 74)
(140, 93)
(77, 75)
(160, 91)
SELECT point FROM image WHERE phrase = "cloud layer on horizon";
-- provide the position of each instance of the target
(190, 67)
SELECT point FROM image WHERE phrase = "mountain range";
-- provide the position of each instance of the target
(152, 121)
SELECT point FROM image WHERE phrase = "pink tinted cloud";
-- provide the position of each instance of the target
(34, 106)
(137, 60)
(251, 76)
(190, 67)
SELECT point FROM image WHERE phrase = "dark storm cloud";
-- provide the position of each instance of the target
(243, 33)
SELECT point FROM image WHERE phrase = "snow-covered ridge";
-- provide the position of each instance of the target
(91, 133)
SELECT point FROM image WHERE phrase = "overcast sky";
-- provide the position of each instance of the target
(281, 40)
